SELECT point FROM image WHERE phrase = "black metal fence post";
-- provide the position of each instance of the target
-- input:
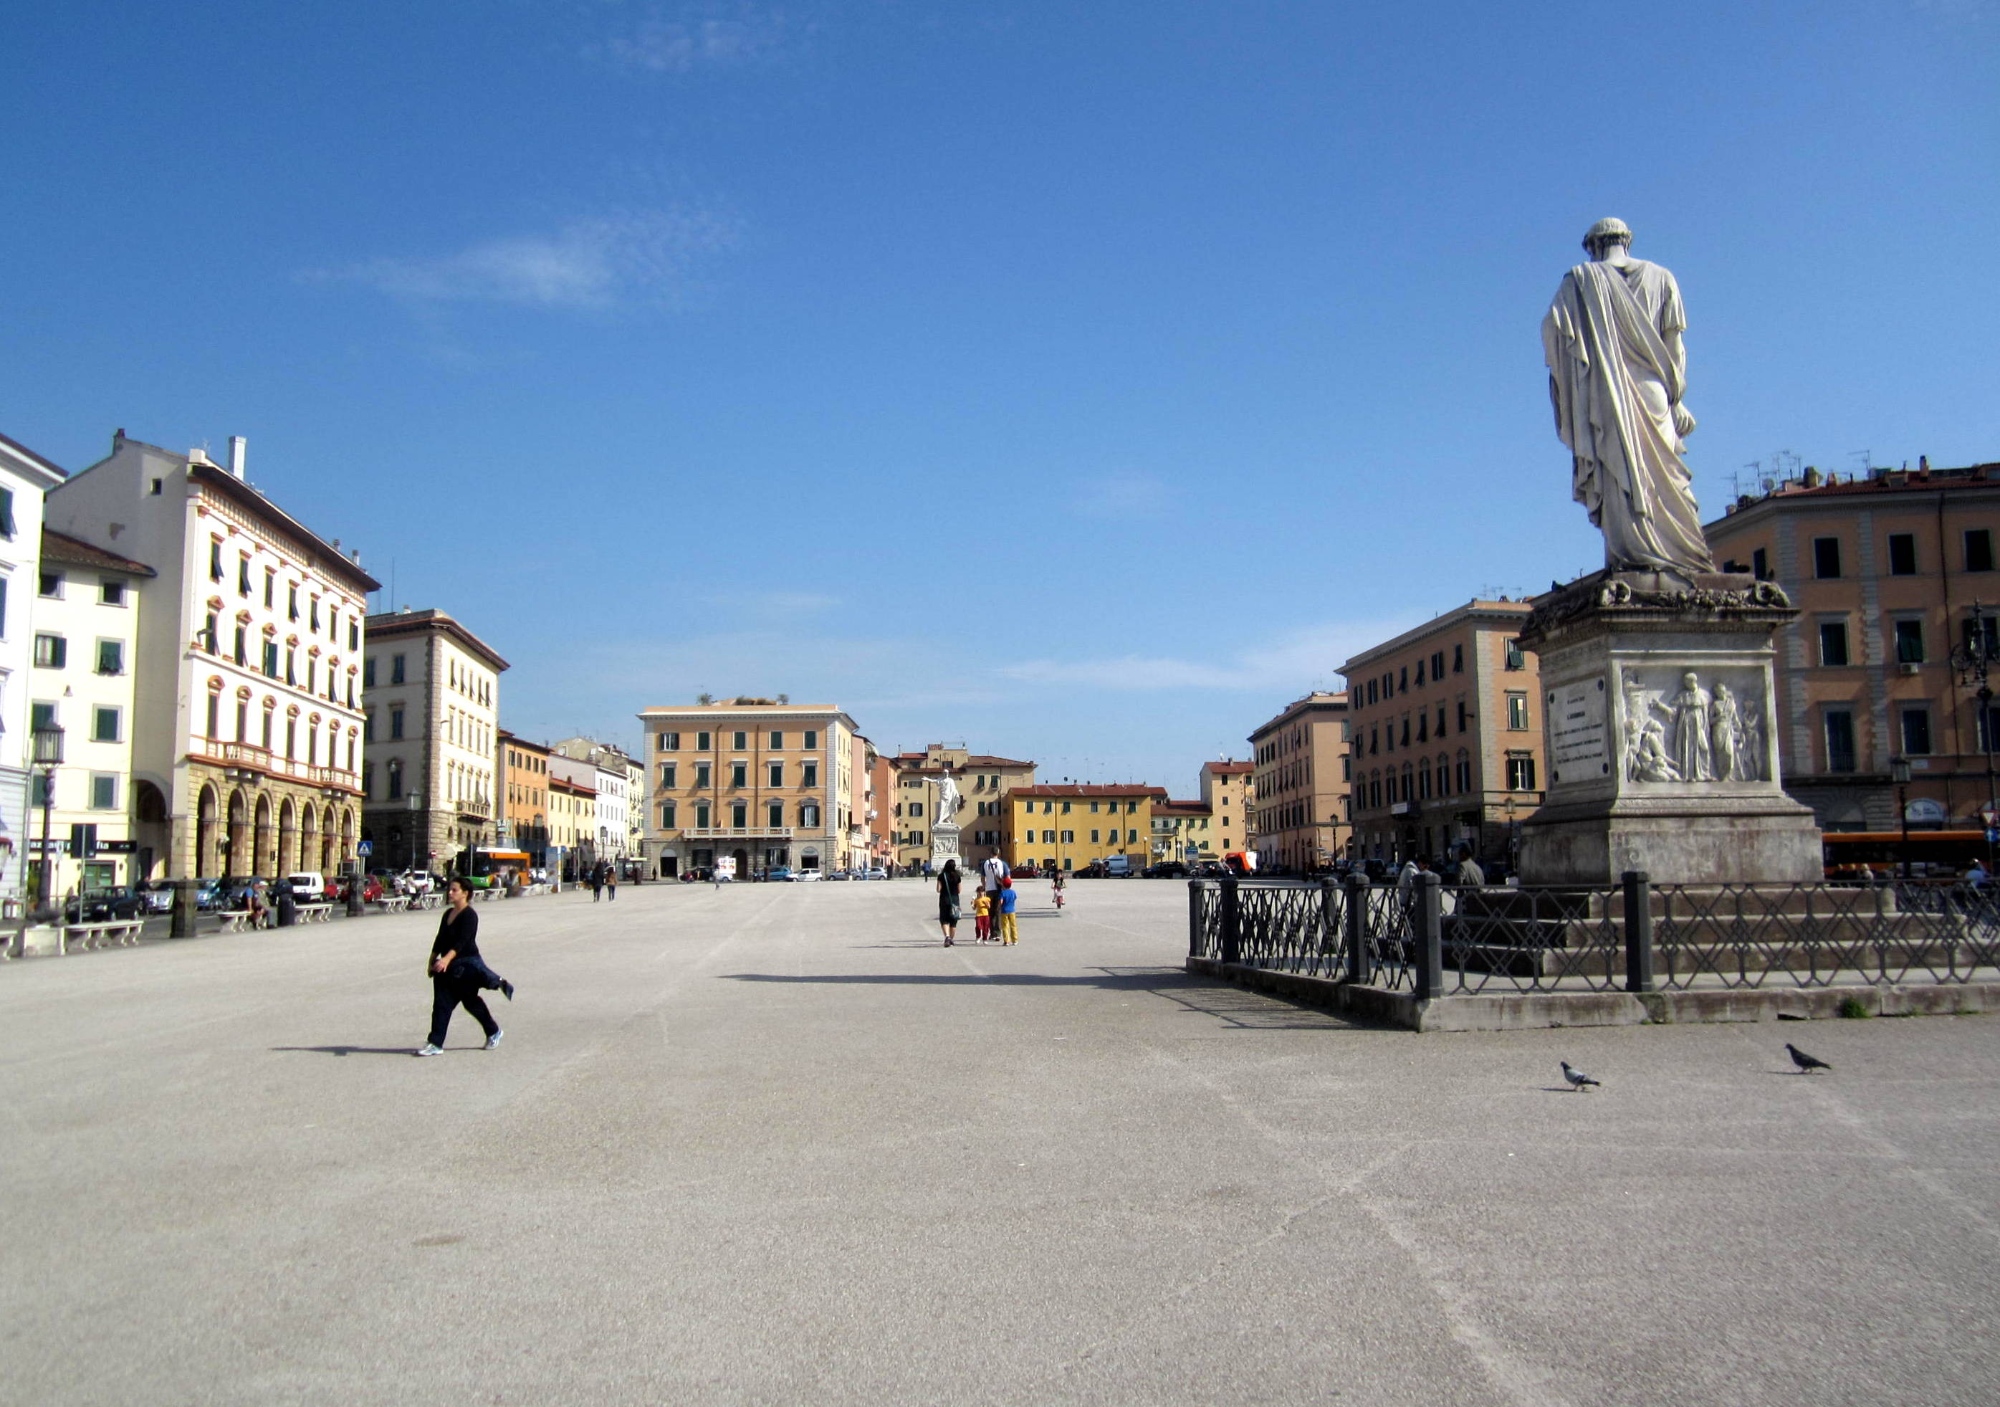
(1357, 928)
(1194, 919)
(1638, 932)
(1232, 922)
(1429, 937)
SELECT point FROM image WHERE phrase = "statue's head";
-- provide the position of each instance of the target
(1688, 680)
(1605, 233)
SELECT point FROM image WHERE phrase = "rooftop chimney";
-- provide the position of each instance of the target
(237, 446)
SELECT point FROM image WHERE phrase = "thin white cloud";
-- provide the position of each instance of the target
(700, 38)
(1297, 661)
(1121, 495)
(595, 263)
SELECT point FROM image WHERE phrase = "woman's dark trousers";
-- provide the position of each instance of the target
(445, 996)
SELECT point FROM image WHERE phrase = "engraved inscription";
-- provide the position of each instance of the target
(1578, 739)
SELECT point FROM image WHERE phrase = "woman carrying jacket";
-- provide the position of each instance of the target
(458, 972)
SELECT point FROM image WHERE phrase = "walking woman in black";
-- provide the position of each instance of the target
(458, 972)
(947, 888)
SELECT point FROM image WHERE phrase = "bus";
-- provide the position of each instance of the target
(1854, 855)
(487, 866)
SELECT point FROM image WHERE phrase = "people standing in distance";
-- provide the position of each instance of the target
(455, 979)
(611, 880)
(1008, 935)
(1057, 885)
(947, 892)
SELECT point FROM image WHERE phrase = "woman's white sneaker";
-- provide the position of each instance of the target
(429, 1050)
(494, 1039)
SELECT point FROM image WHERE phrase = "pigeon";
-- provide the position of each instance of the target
(1806, 1063)
(1576, 1078)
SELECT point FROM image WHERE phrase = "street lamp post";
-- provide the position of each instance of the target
(48, 756)
(1899, 773)
(1972, 660)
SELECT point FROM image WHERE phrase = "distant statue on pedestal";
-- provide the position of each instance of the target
(1617, 371)
(948, 799)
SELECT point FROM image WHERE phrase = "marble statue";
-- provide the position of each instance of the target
(948, 800)
(1690, 709)
(1617, 369)
(1725, 735)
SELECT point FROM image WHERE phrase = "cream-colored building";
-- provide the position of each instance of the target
(247, 713)
(758, 781)
(432, 693)
(572, 815)
(1184, 831)
(983, 781)
(620, 782)
(1446, 729)
(86, 625)
(1301, 781)
(1228, 790)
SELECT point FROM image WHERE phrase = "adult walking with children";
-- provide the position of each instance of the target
(457, 971)
(947, 892)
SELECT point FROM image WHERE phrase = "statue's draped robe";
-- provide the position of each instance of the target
(1615, 383)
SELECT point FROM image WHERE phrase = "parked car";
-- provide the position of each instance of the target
(1026, 870)
(874, 872)
(371, 890)
(779, 874)
(840, 874)
(804, 876)
(1166, 869)
(104, 906)
(159, 896)
(308, 887)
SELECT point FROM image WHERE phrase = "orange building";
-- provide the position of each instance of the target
(1887, 572)
(1228, 790)
(1447, 736)
(1301, 779)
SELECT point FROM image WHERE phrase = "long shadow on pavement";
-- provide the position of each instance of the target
(1231, 1005)
(402, 1050)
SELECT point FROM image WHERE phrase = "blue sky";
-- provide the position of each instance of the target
(1079, 381)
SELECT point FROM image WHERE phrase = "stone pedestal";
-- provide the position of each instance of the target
(1662, 735)
(944, 845)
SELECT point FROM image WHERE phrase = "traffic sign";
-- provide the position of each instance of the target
(366, 847)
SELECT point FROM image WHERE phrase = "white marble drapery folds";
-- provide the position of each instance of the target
(1616, 373)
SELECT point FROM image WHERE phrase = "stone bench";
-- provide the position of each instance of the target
(315, 913)
(109, 934)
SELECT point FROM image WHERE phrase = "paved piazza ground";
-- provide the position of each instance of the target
(774, 1145)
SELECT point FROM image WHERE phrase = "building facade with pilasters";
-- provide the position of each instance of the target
(433, 723)
(25, 478)
(246, 732)
(86, 620)
(760, 782)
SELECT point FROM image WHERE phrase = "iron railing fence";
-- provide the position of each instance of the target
(1433, 940)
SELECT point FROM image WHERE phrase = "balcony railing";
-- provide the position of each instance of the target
(736, 832)
(263, 760)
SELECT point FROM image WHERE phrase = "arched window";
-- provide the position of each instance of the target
(1424, 782)
(1443, 775)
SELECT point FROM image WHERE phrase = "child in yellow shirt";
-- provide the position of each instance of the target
(982, 917)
